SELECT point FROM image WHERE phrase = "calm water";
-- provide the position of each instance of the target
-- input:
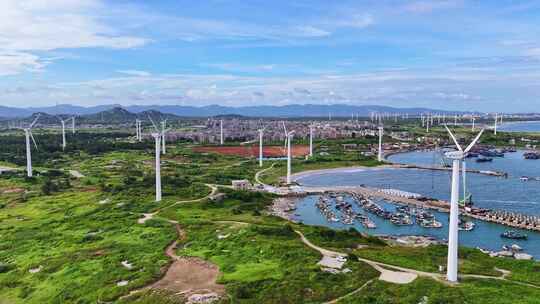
(488, 192)
(525, 126)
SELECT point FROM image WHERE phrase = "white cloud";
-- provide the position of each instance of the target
(134, 73)
(12, 63)
(29, 26)
(432, 5)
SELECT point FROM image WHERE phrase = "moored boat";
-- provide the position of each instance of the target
(513, 234)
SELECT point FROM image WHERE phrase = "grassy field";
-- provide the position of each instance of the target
(63, 239)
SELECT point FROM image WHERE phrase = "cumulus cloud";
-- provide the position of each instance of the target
(31, 26)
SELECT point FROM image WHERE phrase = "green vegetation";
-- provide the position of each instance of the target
(63, 238)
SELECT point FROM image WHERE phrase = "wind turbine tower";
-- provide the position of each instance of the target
(381, 130)
(163, 132)
(221, 132)
(157, 137)
(289, 156)
(63, 122)
(495, 127)
(73, 124)
(311, 141)
(261, 133)
(29, 136)
(457, 158)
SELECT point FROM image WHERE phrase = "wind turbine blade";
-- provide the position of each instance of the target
(284, 127)
(453, 138)
(33, 140)
(153, 124)
(474, 141)
(34, 122)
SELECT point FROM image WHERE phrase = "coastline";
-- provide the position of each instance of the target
(297, 176)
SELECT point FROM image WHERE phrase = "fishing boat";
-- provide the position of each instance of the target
(466, 226)
(430, 223)
(484, 159)
(401, 219)
(524, 178)
(514, 235)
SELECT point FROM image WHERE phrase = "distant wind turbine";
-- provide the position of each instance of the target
(289, 156)
(29, 136)
(457, 158)
(157, 137)
(63, 122)
(163, 134)
(221, 132)
(261, 134)
(380, 156)
(311, 141)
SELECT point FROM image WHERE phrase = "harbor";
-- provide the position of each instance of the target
(500, 205)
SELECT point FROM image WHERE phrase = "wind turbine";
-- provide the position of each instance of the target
(495, 127)
(261, 134)
(138, 129)
(221, 132)
(457, 158)
(286, 137)
(311, 141)
(157, 137)
(472, 119)
(73, 124)
(63, 122)
(381, 130)
(289, 156)
(28, 136)
(163, 132)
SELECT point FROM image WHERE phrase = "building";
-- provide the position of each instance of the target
(242, 184)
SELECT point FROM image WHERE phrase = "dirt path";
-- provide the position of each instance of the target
(149, 216)
(350, 293)
(402, 275)
(189, 277)
(259, 173)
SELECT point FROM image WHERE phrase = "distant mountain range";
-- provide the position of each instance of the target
(294, 110)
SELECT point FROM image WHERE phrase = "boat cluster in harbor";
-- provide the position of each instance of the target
(403, 216)
(347, 215)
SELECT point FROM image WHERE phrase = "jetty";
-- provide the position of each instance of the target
(441, 168)
(511, 219)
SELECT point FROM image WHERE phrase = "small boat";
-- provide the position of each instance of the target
(484, 159)
(524, 178)
(466, 226)
(514, 235)
(430, 223)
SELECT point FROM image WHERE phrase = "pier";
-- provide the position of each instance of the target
(510, 219)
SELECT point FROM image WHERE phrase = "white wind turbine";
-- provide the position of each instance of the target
(495, 127)
(457, 158)
(63, 122)
(261, 134)
(221, 132)
(311, 140)
(380, 156)
(29, 136)
(286, 137)
(138, 132)
(289, 156)
(73, 124)
(157, 137)
(163, 133)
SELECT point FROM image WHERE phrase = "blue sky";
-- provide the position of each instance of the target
(448, 54)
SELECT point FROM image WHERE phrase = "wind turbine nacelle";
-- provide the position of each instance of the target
(455, 155)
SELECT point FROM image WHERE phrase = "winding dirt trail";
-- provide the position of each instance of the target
(188, 277)
(402, 275)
